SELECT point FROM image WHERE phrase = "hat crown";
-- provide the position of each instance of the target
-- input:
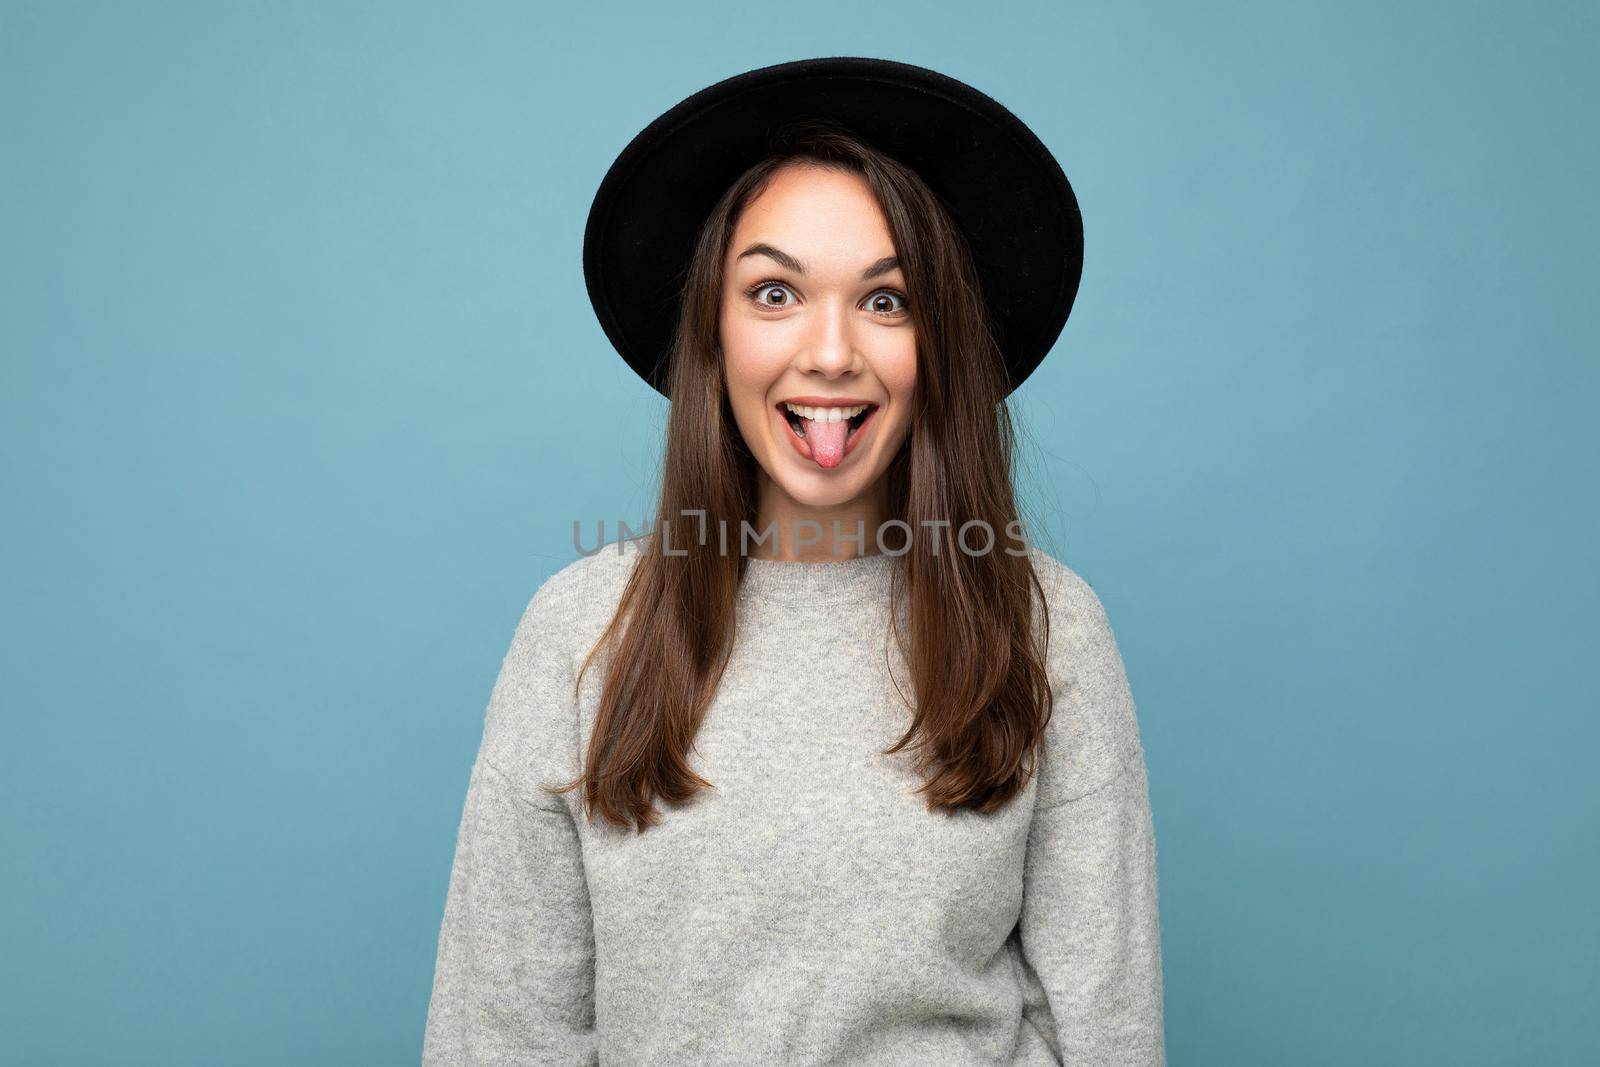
(1005, 190)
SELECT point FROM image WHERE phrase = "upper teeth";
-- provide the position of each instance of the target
(826, 414)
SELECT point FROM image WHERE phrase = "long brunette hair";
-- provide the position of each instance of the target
(982, 695)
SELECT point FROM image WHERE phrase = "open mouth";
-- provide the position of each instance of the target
(798, 423)
(826, 434)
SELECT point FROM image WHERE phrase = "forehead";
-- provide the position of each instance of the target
(818, 215)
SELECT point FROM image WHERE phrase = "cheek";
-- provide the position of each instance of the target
(898, 373)
(752, 360)
(750, 371)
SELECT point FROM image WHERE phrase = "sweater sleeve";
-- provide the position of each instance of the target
(1089, 924)
(514, 976)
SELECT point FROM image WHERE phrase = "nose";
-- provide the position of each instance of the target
(829, 347)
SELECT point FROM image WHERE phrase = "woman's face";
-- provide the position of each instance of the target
(814, 315)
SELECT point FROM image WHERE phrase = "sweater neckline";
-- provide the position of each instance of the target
(827, 581)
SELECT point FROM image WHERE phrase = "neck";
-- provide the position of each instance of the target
(806, 533)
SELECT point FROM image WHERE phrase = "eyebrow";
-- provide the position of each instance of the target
(882, 266)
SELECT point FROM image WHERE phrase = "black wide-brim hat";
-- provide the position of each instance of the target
(1004, 189)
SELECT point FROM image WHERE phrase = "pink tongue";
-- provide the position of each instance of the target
(827, 441)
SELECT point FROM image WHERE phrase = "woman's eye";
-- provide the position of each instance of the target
(767, 294)
(875, 301)
(767, 301)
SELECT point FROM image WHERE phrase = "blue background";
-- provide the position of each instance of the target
(302, 392)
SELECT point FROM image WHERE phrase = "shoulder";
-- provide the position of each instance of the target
(588, 581)
(1065, 589)
(1077, 616)
(571, 608)
(530, 725)
(1093, 733)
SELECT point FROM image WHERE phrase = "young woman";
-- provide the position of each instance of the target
(832, 766)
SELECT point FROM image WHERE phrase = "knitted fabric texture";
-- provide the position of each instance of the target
(809, 909)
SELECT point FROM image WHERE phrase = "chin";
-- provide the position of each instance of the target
(820, 492)
(811, 488)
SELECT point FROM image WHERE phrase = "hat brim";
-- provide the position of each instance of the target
(1005, 190)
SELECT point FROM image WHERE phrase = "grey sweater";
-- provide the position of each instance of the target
(809, 909)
